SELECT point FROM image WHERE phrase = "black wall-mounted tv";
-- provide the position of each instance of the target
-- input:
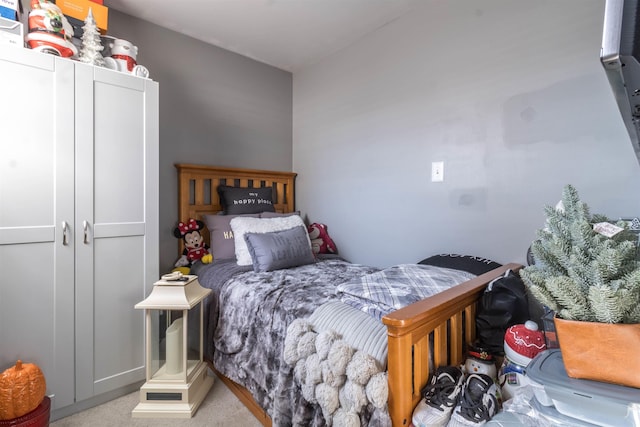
(620, 56)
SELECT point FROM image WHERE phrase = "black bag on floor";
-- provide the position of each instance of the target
(503, 304)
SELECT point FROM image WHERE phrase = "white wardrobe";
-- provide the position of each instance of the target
(78, 222)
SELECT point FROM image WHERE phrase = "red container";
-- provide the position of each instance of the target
(39, 417)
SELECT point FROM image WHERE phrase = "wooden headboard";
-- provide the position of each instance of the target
(198, 184)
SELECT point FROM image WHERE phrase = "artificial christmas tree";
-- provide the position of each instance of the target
(581, 273)
(586, 271)
(91, 43)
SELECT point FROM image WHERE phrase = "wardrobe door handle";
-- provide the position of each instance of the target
(65, 230)
(85, 229)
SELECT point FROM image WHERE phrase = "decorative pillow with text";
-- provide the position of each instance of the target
(244, 225)
(221, 236)
(243, 200)
(279, 249)
(469, 263)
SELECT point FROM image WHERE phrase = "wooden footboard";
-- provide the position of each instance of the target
(428, 334)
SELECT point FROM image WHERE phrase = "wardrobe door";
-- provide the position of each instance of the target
(37, 217)
(116, 217)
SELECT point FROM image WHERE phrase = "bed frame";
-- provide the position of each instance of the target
(198, 196)
(427, 334)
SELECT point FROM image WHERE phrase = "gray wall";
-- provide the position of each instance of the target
(510, 95)
(216, 107)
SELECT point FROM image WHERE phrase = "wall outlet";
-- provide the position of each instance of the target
(437, 171)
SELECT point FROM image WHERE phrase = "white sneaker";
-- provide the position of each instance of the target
(439, 398)
(478, 402)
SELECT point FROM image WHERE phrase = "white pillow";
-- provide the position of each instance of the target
(242, 225)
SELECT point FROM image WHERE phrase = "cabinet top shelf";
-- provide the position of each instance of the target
(26, 56)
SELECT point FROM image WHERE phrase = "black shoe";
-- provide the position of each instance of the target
(439, 398)
(478, 402)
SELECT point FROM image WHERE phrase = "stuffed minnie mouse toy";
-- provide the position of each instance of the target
(194, 246)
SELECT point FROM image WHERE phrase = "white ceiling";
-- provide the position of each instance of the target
(288, 34)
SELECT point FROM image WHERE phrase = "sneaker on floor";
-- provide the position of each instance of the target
(478, 402)
(439, 398)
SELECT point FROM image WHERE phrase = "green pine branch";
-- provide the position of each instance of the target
(581, 274)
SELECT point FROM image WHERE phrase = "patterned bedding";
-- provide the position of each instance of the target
(248, 317)
(395, 287)
(248, 314)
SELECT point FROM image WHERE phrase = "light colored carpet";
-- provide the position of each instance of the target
(219, 408)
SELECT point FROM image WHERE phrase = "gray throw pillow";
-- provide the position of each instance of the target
(279, 249)
(221, 240)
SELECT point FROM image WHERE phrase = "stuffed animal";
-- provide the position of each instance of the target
(321, 243)
(194, 246)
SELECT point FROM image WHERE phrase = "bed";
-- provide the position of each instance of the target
(423, 335)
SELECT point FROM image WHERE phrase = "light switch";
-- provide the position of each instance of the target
(437, 171)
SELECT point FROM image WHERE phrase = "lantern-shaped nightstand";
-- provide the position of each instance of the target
(177, 376)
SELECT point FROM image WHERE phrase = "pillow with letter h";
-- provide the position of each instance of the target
(221, 235)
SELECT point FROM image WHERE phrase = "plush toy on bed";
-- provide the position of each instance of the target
(321, 243)
(195, 247)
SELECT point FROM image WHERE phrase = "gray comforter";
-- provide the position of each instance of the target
(248, 315)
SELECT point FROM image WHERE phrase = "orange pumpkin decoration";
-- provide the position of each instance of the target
(22, 389)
